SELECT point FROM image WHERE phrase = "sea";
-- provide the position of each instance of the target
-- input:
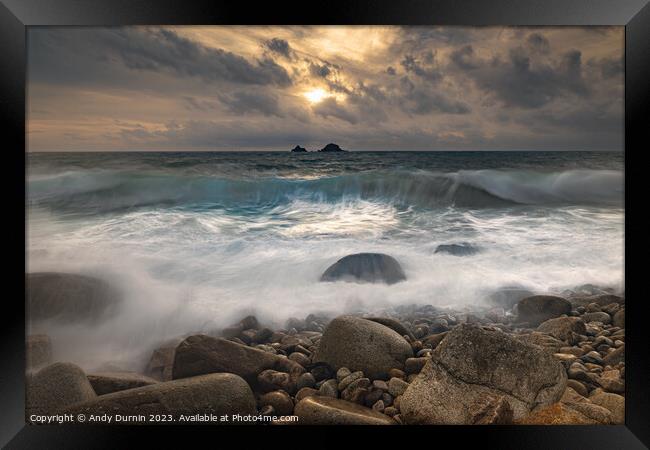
(196, 240)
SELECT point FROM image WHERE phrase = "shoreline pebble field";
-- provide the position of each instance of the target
(524, 359)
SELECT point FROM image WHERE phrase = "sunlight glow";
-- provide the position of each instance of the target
(316, 95)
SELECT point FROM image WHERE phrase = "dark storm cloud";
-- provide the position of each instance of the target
(518, 82)
(273, 87)
(279, 46)
(421, 101)
(69, 53)
(423, 67)
(538, 43)
(246, 102)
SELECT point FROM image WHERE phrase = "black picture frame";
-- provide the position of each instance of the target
(17, 15)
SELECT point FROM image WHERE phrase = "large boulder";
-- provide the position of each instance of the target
(318, 410)
(508, 296)
(364, 345)
(38, 350)
(56, 386)
(474, 367)
(201, 354)
(365, 267)
(564, 328)
(543, 340)
(69, 297)
(538, 308)
(109, 382)
(217, 394)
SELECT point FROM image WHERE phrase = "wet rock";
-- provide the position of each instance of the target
(602, 299)
(38, 351)
(67, 297)
(280, 400)
(300, 358)
(543, 340)
(614, 403)
(592, 357)
(619, 319)
(55, 387)
(365, 267)
(361, 344)
(600, 316)
(378, 406)
(414, 365)
(329, 389)
(393, 324)
(396, 373)
(462, 249)
(305, 380)
(472, 363)
(201, 354)
(321, 371)
(342, 373)
(329, 411)
(108, 382)
(271, 380)
(305, 392)
(397, 387)
(539, 308)
(345, 382)
(434, 339)
(578, 387)
(262, 335)
(356, 391)
(564, 328)
(217, 393)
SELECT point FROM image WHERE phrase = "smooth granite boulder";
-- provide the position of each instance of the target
(201, 354)
(364, 345)
(365, 267)
(564, 328)
(474, 367)
(217, 393)
(56, 386)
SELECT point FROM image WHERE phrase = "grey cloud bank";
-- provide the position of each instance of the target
(368, 88)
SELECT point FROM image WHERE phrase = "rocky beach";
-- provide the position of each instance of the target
(522, 358)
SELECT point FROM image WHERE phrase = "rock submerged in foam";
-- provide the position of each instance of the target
(365, 267)
(69, 297)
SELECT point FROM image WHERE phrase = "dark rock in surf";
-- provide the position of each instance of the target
(298, 149)
(365, 267)
(69, 297)
(539, 308)
(217, 394)
(508, 296)
(329, 148)
(462, 249)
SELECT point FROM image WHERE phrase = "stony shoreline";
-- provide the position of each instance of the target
(540, 359)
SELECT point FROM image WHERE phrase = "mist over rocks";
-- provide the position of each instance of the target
(538, 308)
(365, 267)
(68, 297)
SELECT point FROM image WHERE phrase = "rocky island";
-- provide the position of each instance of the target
(298, 149)
(331, 148)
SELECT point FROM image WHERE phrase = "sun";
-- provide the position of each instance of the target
(316, 95)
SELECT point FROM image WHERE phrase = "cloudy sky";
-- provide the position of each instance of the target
(365, 88)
